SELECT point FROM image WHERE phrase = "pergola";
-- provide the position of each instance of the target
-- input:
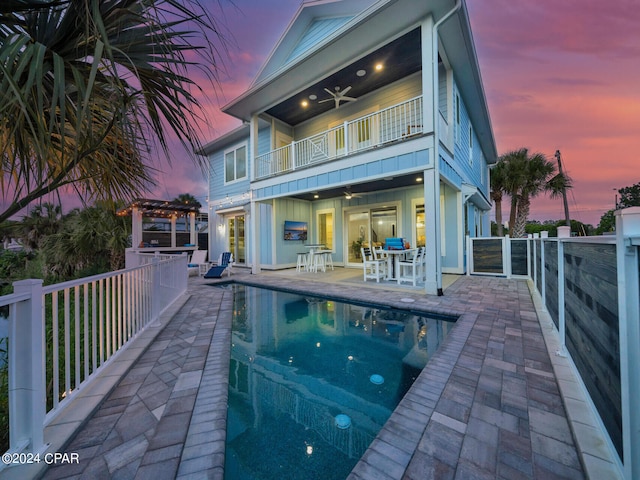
(144, 207)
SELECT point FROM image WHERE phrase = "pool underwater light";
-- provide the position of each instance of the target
(376, 379)
(343, 421)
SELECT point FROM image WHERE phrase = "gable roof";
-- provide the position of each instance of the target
(314, 21)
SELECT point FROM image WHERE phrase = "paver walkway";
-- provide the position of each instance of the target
(486, 406)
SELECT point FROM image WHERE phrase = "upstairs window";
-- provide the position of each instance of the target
(235, 164)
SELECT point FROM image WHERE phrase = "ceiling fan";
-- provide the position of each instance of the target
(338, 96)
(349, 195)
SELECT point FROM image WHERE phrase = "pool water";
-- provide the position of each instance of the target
(312, 381)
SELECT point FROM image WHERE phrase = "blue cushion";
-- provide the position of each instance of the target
(215, 272)
(193, 265)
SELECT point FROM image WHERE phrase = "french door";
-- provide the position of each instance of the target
(237, 245)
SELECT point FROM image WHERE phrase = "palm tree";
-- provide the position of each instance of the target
(498, 189)
(528, 175)
(88, 86)
(43, 220)
(187, 199)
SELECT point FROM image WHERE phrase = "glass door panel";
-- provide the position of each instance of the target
(421, 231)
(357, 224)
(236, 238)
(383, 225)
(325, 230)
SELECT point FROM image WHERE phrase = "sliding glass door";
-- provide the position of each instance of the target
(366, 227)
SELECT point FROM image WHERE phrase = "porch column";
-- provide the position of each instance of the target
(136, 227)
(254, 237)
(193, 235)
(433, 280)
(173, 230)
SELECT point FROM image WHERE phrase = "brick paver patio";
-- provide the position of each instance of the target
(487, 405)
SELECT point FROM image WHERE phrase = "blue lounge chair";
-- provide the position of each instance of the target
(224, 263)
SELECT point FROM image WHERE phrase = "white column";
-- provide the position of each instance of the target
(432, 225)
(193, 235)
(173, 230)
(254, 237)
(136, 227)
(26, 370)
(628, 263)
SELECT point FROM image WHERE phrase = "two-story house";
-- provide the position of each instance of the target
(367, 121)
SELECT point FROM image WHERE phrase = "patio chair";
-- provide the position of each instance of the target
(198, 259)
(410, 270)
(224, 264)
(373, 268)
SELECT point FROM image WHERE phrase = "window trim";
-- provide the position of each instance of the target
(234, 150)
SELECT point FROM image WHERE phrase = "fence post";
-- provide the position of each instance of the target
(563, 232)
(155, 291)
(506, 256)
(26, 370)
(628, 263)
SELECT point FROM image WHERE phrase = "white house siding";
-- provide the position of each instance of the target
(317, 31)
(344, 172)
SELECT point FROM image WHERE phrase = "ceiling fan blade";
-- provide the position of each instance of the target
(333, 94)
(349, 99)
(326, 100)
(343, 92)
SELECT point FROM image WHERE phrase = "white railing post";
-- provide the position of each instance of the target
(156, 292)
(294, 157)
(561, 307)
(506, 256)
(27, 407)
(346, 138)
(628, 263)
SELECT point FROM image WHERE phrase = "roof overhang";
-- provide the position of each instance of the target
(158, 208)
(472, 194)
(354, 41)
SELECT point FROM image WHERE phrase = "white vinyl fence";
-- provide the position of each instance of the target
(60, 336)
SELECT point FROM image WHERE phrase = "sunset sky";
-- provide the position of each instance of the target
(557, 75)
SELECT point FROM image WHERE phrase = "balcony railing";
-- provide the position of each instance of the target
(389, 125)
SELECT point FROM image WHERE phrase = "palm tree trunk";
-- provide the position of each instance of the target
(513, 214)
(498, 203)
(521, 218)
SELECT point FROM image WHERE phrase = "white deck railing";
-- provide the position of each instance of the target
(389, 125)
(60, 336)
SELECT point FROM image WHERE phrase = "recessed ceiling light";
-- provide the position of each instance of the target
(304, 103)
(361, 73)
(418, 179)
(379, 66)
(388, 178)
(313, 97)
(315, 195)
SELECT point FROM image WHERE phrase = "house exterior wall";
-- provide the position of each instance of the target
(456, 166)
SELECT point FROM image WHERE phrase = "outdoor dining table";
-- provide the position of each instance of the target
(393, 261)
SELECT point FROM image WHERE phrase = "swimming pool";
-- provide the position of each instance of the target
(313, 380)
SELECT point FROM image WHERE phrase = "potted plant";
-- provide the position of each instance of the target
(356, 245)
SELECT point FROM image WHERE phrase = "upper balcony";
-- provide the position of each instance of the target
(391, 124)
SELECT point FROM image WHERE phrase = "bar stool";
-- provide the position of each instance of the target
(303, 262)
(328, 258)
(316, 262)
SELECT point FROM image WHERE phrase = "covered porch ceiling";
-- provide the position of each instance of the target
(392, 62)
(363, 189)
